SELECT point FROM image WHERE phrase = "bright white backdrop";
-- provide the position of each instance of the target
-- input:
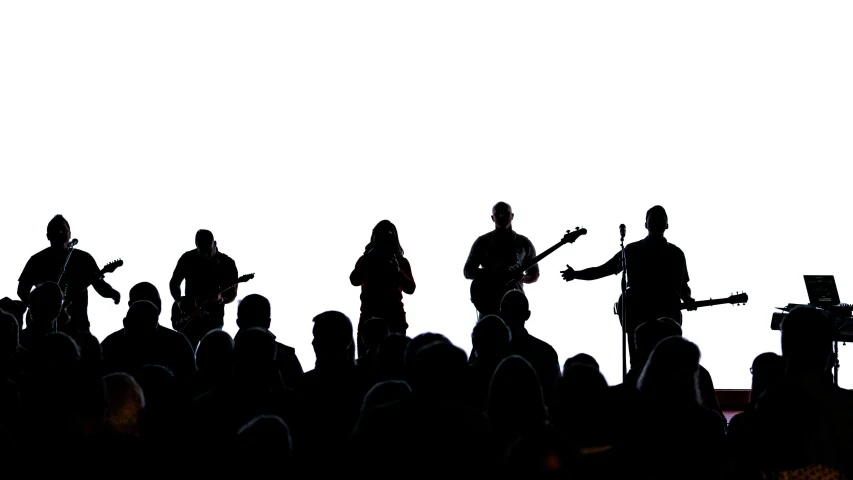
(290, 128)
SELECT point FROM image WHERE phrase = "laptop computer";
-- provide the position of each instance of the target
(822, 290)
(822, 294)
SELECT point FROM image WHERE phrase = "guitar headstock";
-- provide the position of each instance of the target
(572, 235)
(245, 278)
(738, 298)
(112, 266)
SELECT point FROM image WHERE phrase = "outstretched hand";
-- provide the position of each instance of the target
(691, 304)
(568, 274)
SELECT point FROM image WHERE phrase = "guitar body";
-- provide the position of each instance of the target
(640, 308)
(487, 291)
(192, 310)
(196, 307)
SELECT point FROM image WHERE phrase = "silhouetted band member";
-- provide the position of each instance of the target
(206, 271)
(383, 274)
(499, 252)
(657, 277)
(81, 271)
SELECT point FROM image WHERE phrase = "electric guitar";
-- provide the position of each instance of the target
(68, 299)
(191, 308)
(638, 306)
(488, 288)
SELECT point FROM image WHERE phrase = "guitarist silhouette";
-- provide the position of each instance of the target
(206, 272)
(81, 271)
(656, 281)
(501, 253)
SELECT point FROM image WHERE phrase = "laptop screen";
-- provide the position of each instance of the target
(822, 290)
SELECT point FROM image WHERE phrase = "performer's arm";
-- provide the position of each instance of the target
(106, 290)
(26, 283)
(472, 265)
(24, 289)
(685, 288)
(530, 277)
(178, 276)
(686, 294)
(356, 278)
(89, 268)
(230, 295)
(611, 267)
(407, 281)
(532, 273)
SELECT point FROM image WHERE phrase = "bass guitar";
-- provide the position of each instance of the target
(188, 309)
(638, 307)
(488, 288)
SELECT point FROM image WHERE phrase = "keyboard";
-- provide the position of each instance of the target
(843, 324)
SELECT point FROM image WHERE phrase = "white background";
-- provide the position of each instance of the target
(290, 128)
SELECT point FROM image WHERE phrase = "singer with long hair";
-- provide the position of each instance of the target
(383, 274)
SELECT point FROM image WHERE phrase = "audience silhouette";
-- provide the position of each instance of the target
(515, 311)
(254, 312)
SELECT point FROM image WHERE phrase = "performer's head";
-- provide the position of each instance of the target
(141, 319)
(205, 243)
(253, 311)
(144, 291)
(58, 232)
(502, 216)
(515, 309)
(807, 335)
(45, 303)
(656, 221)
(385, 239)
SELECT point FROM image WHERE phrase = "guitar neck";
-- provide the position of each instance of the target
(229, 288)
(709, 303)
(243, 279)
(538, 258)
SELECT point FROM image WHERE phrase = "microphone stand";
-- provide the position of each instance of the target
(71, 246)
(68, 257)
(624, 317)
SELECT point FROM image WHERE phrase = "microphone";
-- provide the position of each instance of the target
(622, 230)
(72, 243)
